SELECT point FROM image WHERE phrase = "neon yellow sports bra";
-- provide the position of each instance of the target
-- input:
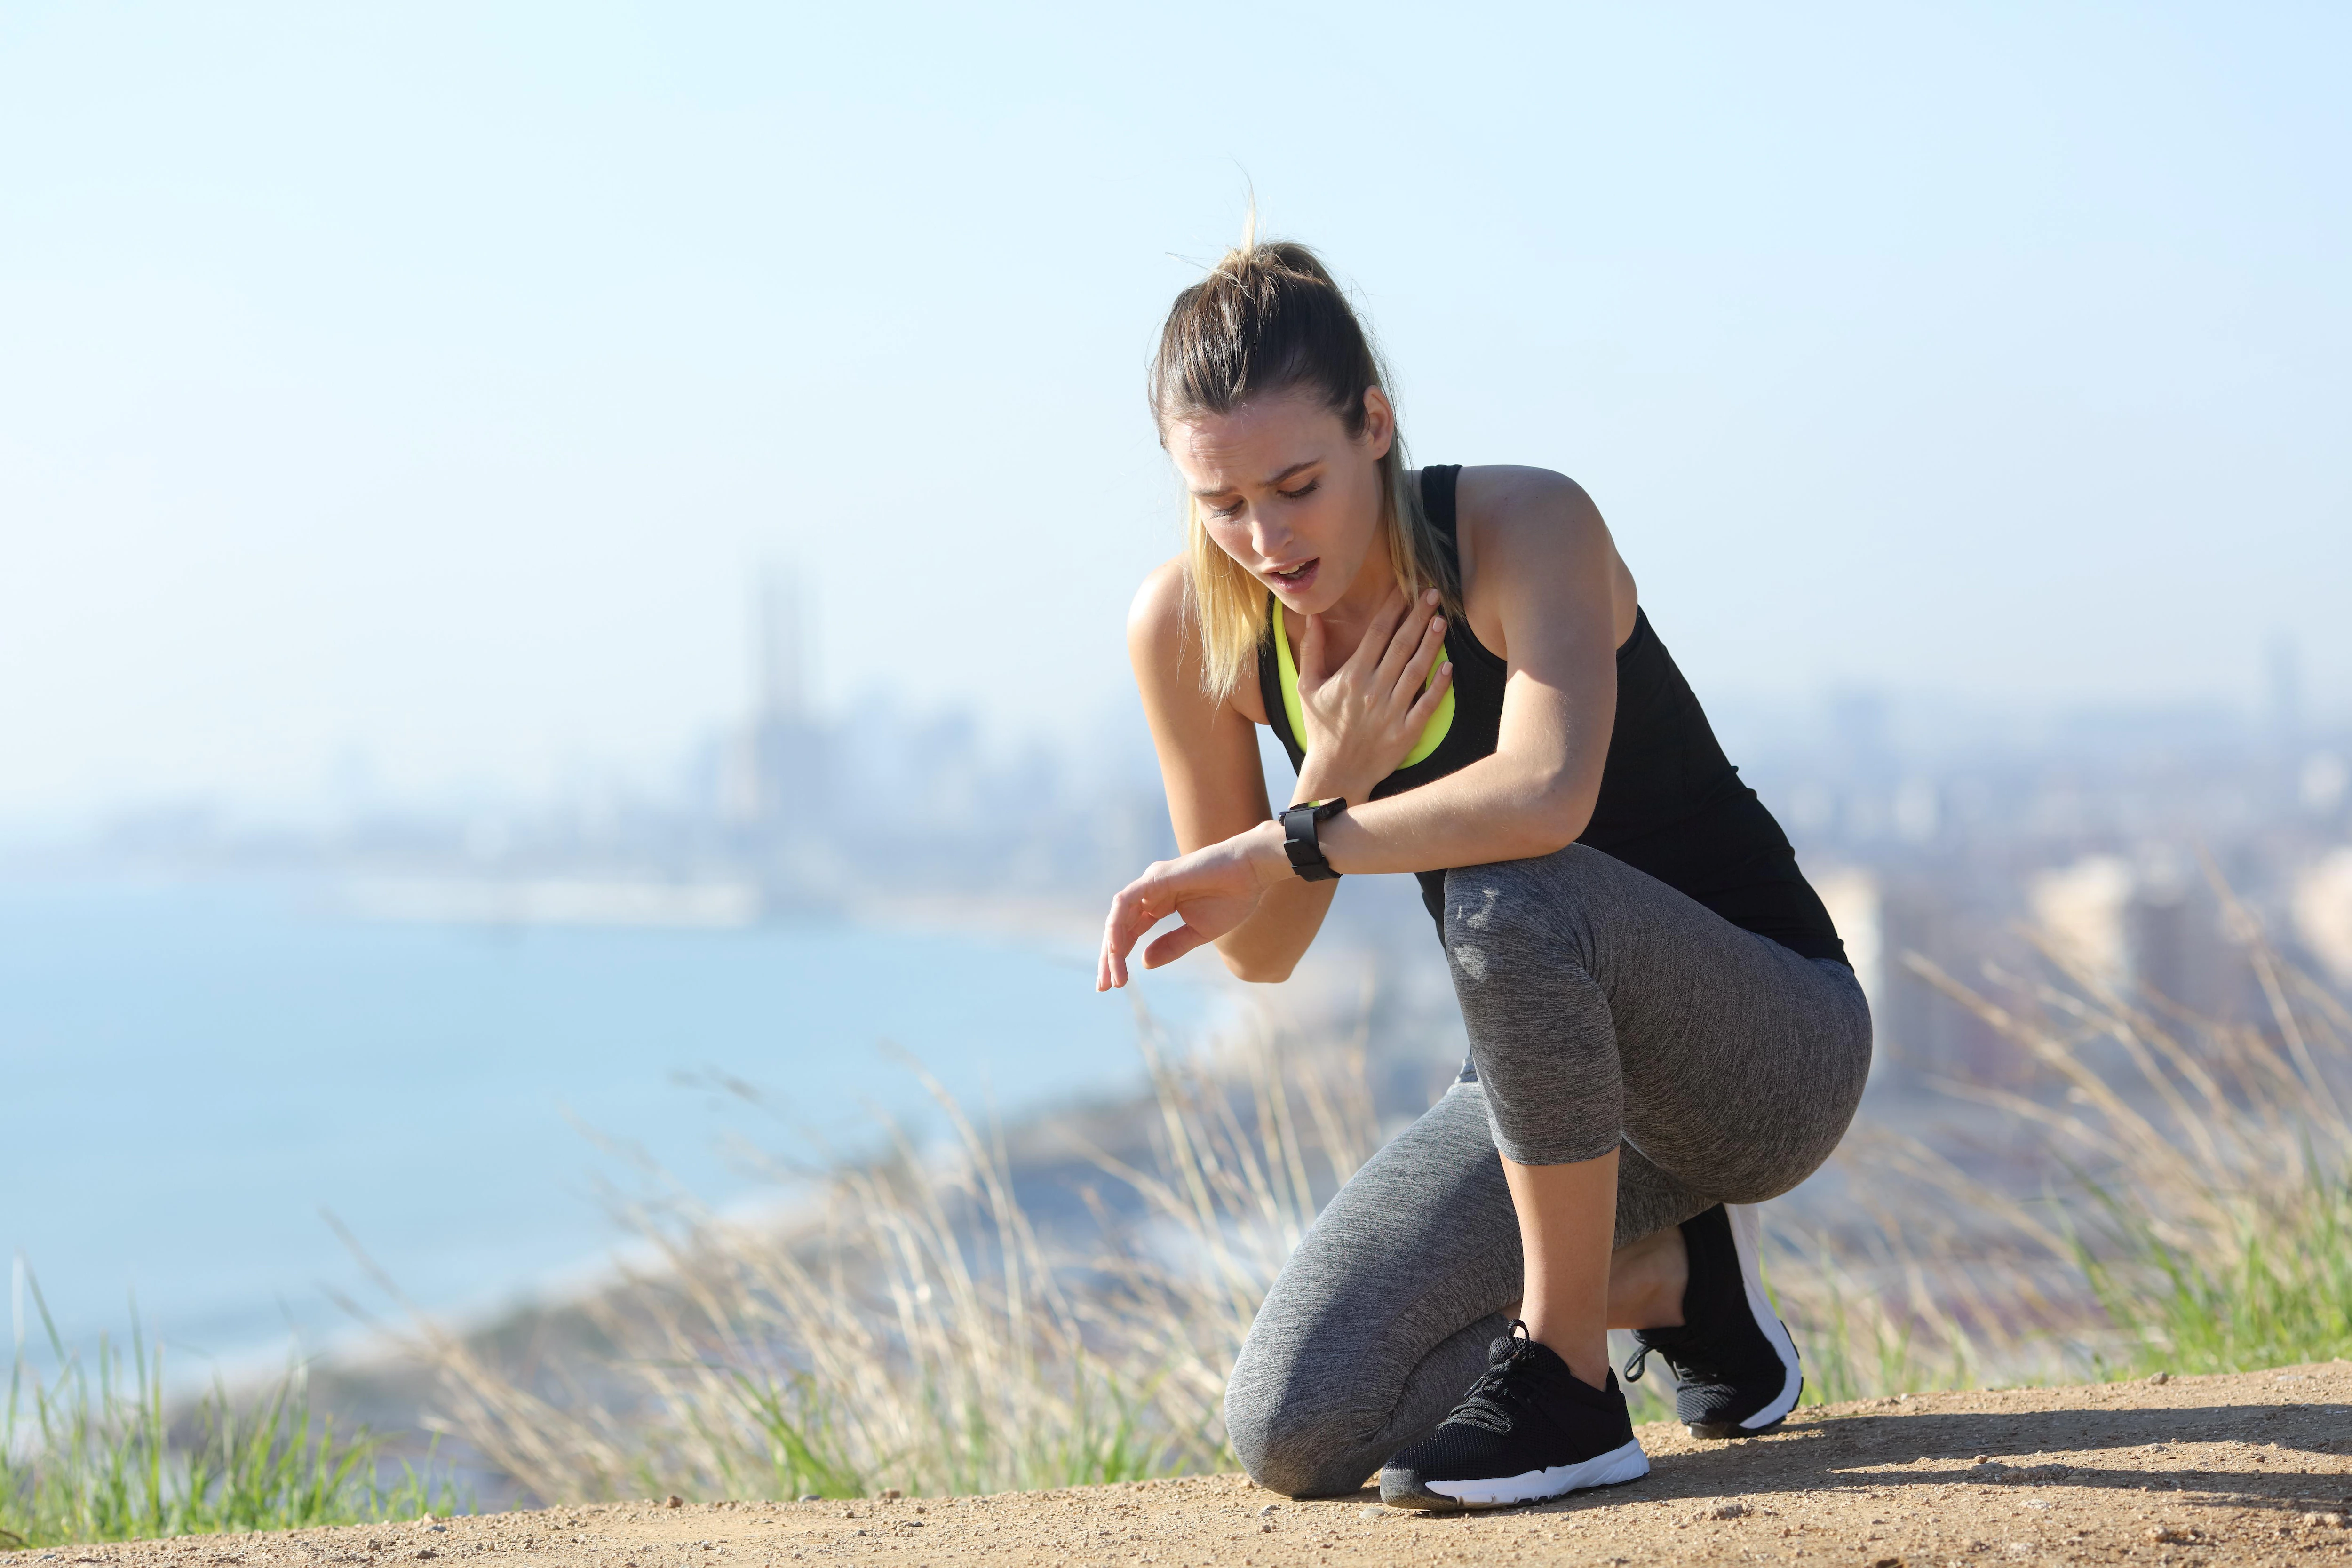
(1439, 722)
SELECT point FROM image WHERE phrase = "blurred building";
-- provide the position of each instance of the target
(2141, 847)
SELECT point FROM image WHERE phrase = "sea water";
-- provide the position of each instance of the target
(194, 1080)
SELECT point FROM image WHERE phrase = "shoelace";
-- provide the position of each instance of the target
(1485, 1404)
(1687, 1370)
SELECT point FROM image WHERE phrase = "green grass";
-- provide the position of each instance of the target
(2280, 1293)
(1105, 1437)
(91, 1451)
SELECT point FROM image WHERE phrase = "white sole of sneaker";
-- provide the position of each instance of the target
(1747, 1239)
(1613, 1469)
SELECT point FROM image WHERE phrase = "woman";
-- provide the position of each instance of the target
(1663, 1029)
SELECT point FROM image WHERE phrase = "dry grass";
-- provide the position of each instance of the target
(921, 1335)
(2197, 1211)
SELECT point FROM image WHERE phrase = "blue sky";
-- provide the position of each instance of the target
(427, 381)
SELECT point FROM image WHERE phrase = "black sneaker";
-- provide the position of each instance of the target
(1732, 1356)
(1528, 1430)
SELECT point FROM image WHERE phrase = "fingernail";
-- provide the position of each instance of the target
(1437, 623)
(1429, 598)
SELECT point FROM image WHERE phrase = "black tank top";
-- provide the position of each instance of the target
(1671, 804)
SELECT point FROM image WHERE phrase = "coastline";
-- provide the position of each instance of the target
(252, 1059)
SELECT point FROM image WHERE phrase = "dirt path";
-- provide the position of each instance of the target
(2246, 1468)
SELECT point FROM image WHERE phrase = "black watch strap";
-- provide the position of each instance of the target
(1299, 840)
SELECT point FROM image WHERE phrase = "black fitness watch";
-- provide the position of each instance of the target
(1300, 824)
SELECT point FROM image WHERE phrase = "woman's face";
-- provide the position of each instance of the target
(1284, 490)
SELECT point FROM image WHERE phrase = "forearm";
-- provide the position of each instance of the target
(1481, 815)
(1494, 809)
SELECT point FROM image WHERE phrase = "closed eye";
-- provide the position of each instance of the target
(1234, 510)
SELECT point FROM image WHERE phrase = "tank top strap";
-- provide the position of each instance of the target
(1437, 486)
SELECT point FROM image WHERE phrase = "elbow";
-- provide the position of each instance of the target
(1258, 971)
(1537, 845)
(1555, 818)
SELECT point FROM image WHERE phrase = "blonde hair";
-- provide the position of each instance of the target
(1267, 320)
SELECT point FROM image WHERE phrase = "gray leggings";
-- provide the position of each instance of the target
(1606, 1011)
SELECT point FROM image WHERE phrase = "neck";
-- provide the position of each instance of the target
(1344, 623)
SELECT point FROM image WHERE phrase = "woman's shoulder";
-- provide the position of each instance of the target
(1531, 525)
(1507, 492)
(1157, 611)
(1162, 642)
(1526, 519)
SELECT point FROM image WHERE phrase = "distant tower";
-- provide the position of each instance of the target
(786, 745)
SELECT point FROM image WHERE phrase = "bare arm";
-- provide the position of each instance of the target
(1546, 579)
(1216, 789)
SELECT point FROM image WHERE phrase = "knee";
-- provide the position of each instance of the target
(1286, 1443)
(1511, 906)
(1286, 1457)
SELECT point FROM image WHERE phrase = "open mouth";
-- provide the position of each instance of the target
(1298, 576)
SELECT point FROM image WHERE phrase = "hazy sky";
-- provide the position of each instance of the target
(427, 381)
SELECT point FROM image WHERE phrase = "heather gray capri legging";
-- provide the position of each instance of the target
(1606, 1010)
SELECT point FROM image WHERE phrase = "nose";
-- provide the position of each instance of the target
(1268, 538)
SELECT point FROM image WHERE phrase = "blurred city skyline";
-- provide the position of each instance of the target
(2149, 843)
(732, 764)
(410, 397)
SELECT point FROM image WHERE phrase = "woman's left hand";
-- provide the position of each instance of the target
(1363, 719)
(1212, 889)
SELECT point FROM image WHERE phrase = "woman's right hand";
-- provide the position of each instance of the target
(1364, 717)
(1211, 891)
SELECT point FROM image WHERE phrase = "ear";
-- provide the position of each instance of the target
(1379, 423)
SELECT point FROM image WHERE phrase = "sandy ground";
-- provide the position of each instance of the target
(2245, 1469)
